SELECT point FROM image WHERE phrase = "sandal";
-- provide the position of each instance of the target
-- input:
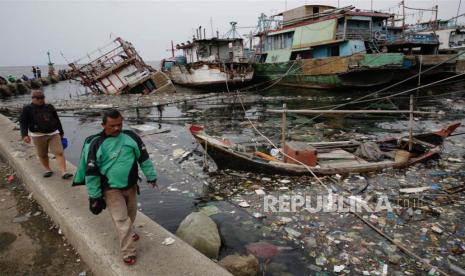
(131, 260)
(135, 237)
(67, 175)
(47, 174)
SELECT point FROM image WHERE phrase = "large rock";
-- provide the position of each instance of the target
(241, 265)
(200, 231)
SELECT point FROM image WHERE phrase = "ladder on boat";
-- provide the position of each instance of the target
(373, 47)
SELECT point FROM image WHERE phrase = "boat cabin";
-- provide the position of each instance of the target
(213, 50)
(450, 34)
(323, 31)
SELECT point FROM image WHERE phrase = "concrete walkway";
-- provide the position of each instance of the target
(92, 236)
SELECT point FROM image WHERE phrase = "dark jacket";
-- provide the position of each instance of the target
(39, 118)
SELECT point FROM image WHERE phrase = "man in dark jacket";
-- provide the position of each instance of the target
(40, 122)
(109, 169)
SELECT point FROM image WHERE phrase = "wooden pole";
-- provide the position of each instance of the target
(341, 111)
(410, 133)
(283, 129)
(399, 245)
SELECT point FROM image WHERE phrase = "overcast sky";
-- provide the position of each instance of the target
(30, 28)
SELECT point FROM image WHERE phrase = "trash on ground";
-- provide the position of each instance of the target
(168, 241)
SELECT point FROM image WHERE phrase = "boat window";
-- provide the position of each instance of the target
(260, 58)
(334, 51)
(316, 10)
(279, 41)
(307, 54)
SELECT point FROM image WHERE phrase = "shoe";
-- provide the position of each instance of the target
(47, 174)
(67, 175)
(135, 237)
(131, 260)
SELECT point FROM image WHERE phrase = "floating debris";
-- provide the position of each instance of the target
(262, 250)
(244, 204)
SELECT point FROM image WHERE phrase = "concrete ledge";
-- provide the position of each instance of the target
(94, 237)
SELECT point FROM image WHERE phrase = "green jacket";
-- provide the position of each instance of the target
(112, 162)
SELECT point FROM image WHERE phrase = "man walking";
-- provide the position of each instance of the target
(39, 72)
(109, 169)
(40, 122)
(34, 72)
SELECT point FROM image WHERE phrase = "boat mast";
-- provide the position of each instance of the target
(403, 17)
(458, 12)
(172, 48)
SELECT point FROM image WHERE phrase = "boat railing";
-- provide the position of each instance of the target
(413, 38)
(356, 34)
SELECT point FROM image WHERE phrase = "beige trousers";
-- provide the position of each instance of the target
(122, 205)
(43, 143)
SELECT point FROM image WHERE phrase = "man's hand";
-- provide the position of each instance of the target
(152, 183)
(96, 205)
(27, 139)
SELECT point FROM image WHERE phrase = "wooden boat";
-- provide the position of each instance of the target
(331, 157)
(210, 62)
(117, 68)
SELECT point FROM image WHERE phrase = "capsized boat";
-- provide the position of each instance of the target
(116, 69)
(324, 158)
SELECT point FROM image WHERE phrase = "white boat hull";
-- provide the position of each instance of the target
(209, 75)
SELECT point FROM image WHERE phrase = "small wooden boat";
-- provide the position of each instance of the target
(330, 157)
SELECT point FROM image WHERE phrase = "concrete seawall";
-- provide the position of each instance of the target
(94, 237)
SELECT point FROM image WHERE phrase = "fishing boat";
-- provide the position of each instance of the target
(207, 62)
(117, 68)
(324, 158)
(450, 34)
(315, 46)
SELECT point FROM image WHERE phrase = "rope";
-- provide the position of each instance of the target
(393, 95)
(403, 81)
(281, 150)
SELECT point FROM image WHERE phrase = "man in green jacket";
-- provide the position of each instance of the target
(109, 169)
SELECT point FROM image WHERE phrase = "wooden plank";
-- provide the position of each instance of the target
(340, 163)
(414, 190)
(436, 59)
(334, 144)
(330, 65)
(340, 111)
(336, 154)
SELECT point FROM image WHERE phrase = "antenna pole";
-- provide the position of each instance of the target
(211, 25)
